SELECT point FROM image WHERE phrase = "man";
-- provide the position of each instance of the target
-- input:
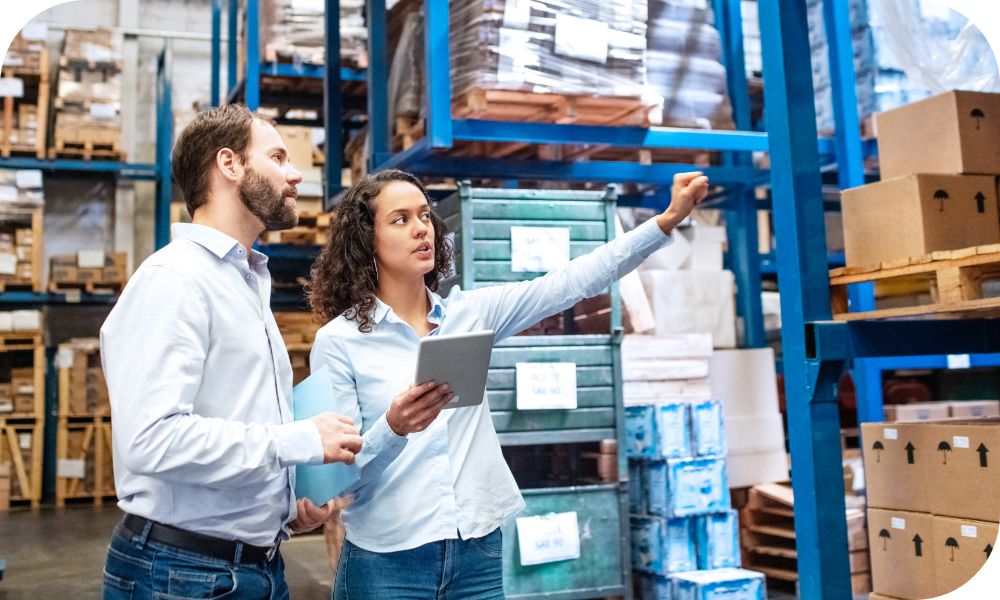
(200, 385)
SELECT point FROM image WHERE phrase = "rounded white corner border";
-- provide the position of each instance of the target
(17, 15)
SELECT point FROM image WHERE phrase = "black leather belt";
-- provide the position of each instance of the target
(196, 542)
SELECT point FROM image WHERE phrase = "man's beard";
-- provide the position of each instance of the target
(267, 203)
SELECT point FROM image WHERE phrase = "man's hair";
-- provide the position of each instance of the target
(194, 153)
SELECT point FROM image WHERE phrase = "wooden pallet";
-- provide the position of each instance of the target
(27, 470)
(311, 230)
(86, 150)
(19, 285)
(277, 53)
(954, 280)
(89, 287)
(20, 340)
(582, 109)
(94, 451)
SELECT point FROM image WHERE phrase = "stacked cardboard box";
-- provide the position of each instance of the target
(298, 332)
(933, 411)
(937, 197)
(88, 96)
(932, 490)
(87, 391)
(26, 83)
(294, 31)
(88, 269)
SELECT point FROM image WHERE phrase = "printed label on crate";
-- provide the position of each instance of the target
(8, 263)
(538, 249)
(585, 39)
(90, 259)
(958, 361)
(890, 434)
(898, 523)
(29, 179)
(548, 538)
(546, 386)
(11, 87)
(970, 531)
(960, 441)
(70, 468)
(24, 440)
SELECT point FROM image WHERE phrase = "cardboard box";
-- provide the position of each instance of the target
(926, 213)
(897, 465)
(964, 472)
(298, 140)
(902, 553)
(962, 548)
(974, 409)
(954, 132)
(917, 411)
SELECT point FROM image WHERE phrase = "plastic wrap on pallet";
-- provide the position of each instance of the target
(718, 537)
(708, 438)
(571, 46)
(662, 546)
(406, 74)
(296, 30)
(731, 584)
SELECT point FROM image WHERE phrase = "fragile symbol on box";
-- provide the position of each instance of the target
(548, 538)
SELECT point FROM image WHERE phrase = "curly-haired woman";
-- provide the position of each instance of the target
(434, 490)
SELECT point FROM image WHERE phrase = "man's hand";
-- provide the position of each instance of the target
(341, 439)
(689, 189)
(416, 408)
(309, 516)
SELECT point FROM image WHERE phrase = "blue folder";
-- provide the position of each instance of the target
(319, 483)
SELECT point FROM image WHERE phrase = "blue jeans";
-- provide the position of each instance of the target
(141, 569)
(449, 569)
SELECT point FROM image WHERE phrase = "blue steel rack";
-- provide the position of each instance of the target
(247, 85)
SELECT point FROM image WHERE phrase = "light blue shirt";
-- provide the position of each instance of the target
(200, 384)
(451, 479)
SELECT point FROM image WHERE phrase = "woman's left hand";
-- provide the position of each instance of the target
(311, 516)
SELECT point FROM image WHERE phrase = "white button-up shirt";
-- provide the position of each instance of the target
(200, 385)
(451, 479)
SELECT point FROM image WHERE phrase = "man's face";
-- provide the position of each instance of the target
(268, 186)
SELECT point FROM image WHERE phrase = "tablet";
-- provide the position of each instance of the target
(462, 360)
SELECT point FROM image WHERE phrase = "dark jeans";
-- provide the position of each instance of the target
(141, 569)
(449, 569)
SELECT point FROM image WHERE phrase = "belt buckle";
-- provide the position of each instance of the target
(272, 551)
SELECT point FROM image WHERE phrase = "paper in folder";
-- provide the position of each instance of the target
(319, 483)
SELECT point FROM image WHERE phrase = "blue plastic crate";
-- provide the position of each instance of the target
(673, 430)
(718, 537)
(636, 487)
(657, 491)
(706, 428)
(719, 584)
(696, 486)
(663, 546)
(640, 431)
(654, 587)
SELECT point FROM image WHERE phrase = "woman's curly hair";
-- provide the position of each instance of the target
(344, 279)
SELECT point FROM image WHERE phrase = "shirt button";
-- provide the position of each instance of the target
(249, 277)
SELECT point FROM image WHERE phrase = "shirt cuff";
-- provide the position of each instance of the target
(299, 443)
(381, 438)
(650, 233)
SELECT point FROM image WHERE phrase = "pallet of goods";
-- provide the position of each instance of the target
(24, 90)
(298, 331)
(21, 230)
(83, 391)
(87, 104)
(90, 271)
(22, 365)
(293, 31)
(942, 207)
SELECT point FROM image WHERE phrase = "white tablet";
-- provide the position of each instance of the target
(462, 360)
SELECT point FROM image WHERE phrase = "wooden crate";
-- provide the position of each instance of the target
(952, 279)
(65, 274)
(21, 447)
(83, 391)
(23, 250)
(29, 62)
(23, 390)
(84, 469)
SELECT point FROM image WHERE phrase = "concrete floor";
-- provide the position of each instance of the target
(59, 554)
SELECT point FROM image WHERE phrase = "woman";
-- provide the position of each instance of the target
(434, 488)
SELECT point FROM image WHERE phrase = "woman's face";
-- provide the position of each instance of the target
(404, 233)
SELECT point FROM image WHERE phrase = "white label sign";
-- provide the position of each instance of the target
(890, 434)
(11, 87)
(70, 468)
(25, 441)
(958, 361)
(105, 112)
(548, 538)
(898, 523)
(29, 179)
(546, 386)
(969, 531)
(585, 39)
(960, 441)
(8, 264)
(538, 249)
(90, 259)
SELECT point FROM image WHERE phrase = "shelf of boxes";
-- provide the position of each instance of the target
(22, 405)
(298, 331)
(91, 272)
(83, 441)
(25, 75)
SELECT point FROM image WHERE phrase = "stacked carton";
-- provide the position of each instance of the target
(298, 331)
(87, 392)
(88, 270)
(295, 31)
(932, 490)
(88, 96)
(26, 83)
(939, 161)
(678, 494)
(933, 411)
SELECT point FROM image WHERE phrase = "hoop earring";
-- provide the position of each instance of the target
(375, 264)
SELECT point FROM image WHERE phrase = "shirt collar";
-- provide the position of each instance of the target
(214, 241)
(435, 314)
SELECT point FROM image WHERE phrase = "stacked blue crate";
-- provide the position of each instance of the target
(679, 499)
